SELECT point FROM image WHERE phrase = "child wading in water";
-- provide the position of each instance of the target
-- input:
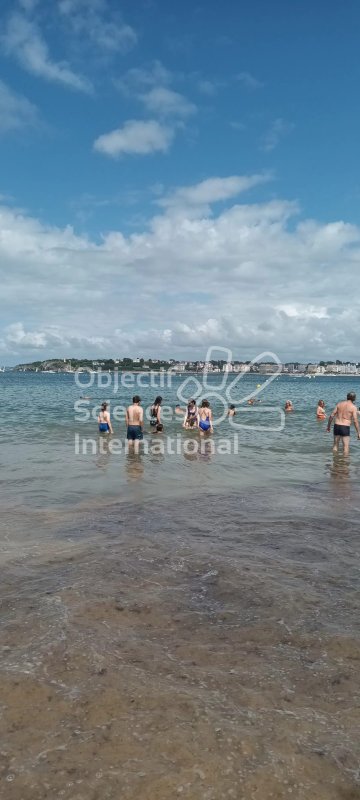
(205, 418)
(104, 420)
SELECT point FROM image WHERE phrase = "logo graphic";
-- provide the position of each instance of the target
(227, 391)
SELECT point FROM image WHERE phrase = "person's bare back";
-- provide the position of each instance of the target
(134, 415)
(345, 412)
(134, 421)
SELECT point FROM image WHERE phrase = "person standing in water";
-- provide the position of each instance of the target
(191, 415)
(345, 413)
(134, 420)
(320, 411)
(155, 412)
(104, 420)
(205, 418)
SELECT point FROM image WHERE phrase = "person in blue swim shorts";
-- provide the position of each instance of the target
(104, 420)
(134, 421)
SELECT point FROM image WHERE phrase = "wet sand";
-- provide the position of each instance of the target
(164, 652)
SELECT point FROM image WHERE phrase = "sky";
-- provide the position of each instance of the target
(175, 176)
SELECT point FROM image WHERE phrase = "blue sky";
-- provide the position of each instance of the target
(173, 174)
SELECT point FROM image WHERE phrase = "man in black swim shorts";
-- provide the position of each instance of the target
(344, 414)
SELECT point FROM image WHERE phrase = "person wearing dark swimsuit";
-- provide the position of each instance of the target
(191, 415)
(155, 412)
(104, 420)
(205, 418)
(344, 414)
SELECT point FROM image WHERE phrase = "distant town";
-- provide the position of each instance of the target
(69, 365)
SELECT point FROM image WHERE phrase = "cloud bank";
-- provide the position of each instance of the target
(251, 276)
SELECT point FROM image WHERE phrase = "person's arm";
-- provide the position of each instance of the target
(211, 420)
(158, 415)
(141, 417)
(108, 420)
(355, 419)
(127, 416)
(332, 415)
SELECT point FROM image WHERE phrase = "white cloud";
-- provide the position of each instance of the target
(138, 79)
(213, 190)
(250, 277)
(249, 81)
(135, 137)
(304, 311)
(278, 129)
(16, 335)
(95, 20)
(23, 40)
(165, 102)
(151, 87)
(16, 112)
(19, 339)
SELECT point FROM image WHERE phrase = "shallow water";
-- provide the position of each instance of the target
(178, 627)
(39, 466)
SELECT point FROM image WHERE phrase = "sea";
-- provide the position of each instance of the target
(182, 621)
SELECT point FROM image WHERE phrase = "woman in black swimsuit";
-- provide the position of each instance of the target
(155, 412)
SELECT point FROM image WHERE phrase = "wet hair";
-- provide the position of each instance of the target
(321, 403)
(351, 396)
(158, 400)
(159, 427)
(232, 407)
(205, 404)
(191, 403)
(136, 398)
(103, 406)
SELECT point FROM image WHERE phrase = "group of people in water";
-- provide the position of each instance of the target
(320, 411)
(344, 415)
(200, 418)
(194, 417)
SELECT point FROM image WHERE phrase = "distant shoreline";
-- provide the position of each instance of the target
(177, 374)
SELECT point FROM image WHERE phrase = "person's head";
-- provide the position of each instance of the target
(159, 427)
(136, 398)
(104, 406)
(191, 404)
(351, 396)
(158, 400)
(231, 407)
(205, 404)
(321, 404)
(288, 404)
